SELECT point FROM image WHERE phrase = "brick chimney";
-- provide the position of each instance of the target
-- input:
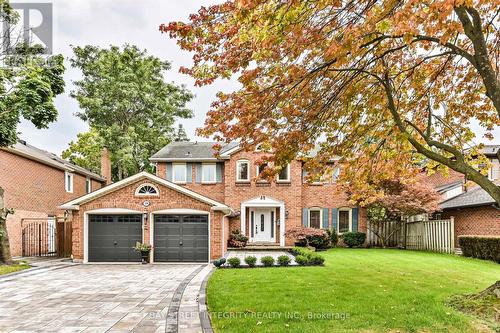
(106, 165)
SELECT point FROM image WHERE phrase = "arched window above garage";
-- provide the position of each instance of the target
(147, 190)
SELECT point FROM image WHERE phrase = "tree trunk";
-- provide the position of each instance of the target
(5, 257)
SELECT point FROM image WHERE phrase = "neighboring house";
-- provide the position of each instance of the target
(197, 198)
(472, 208)
(36, 182)
(474, 213)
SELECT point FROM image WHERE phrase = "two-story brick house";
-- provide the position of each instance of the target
(36, 182)
(197, 197)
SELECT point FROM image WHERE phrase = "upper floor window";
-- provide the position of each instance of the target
(314, 218)
(179, 172)
(146, 189)
(88, 185)
(68, 182)
(260, 170)
(284, 174)
(243, 171)
(208, 174)
(336, 174)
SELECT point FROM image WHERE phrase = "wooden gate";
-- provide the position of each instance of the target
(46, 237)
(393, 231)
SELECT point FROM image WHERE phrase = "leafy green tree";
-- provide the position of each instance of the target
(181, 134)
(86, 151)
(28, 86)
(128, 103)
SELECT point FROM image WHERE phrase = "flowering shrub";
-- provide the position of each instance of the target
(237, 239)
(317, 238)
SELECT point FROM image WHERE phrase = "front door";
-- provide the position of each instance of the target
(263, 225)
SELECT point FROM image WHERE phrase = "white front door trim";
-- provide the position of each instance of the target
(258, 235)
(264, 201)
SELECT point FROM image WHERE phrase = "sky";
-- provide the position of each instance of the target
(117, 22)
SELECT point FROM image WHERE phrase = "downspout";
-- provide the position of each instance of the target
(223, 243)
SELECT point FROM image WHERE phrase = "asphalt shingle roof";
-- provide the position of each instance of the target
(32, 152)
(190, 150)
(475, 196)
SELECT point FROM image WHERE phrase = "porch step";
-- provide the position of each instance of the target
(261, 248)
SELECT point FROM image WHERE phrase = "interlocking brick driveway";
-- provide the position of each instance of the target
(91, 298)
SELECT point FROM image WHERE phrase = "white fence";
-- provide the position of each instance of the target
(433, 235)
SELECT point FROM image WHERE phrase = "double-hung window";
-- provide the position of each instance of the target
(208, 174)
(179, 172)
(344, 220)
(68, 182)
(88, 185)
(243, 171)
(284, 174)
(315, 218)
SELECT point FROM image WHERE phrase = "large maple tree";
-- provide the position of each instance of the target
(395, 81)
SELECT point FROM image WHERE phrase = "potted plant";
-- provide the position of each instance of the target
(144, 249)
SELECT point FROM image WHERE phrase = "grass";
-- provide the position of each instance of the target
(6, 269)
(358, 290)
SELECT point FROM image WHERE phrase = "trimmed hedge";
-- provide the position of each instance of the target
(251, 261)
(305, 257)
(267, 261)
(234, 262)
(284, 260)
(481, 247)
(354, 239)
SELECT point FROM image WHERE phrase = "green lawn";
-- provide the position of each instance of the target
(6, 269)
(358, 290)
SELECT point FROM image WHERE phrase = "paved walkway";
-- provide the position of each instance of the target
(100, 298)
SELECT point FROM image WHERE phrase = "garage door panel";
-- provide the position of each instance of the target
(181, 238)
(112, 237)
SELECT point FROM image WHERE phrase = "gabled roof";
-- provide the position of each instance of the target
(474, 197)
(28, 151)
(447, 187)
(74, 204)
(194, 151)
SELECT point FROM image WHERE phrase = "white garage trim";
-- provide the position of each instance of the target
(104, 211)
(173, 212)
(181, 211)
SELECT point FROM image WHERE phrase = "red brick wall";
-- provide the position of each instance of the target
(33, 189)
(295, 194)
(236, 193)
(168, 199)
(483, 221)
